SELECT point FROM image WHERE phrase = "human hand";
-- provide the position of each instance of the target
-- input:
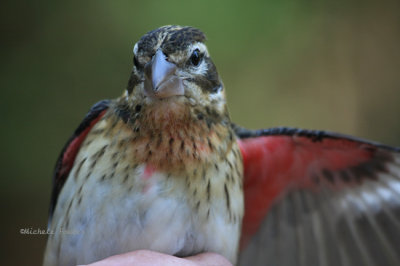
(148, 257)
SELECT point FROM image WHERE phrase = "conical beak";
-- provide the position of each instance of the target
(161, 80)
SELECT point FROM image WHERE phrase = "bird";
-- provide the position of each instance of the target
(164, 168)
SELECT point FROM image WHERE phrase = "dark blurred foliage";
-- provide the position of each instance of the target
(313, 64)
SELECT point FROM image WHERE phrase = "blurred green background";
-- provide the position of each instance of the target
(313, 64)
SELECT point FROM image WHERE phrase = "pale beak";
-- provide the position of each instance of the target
(161, 80)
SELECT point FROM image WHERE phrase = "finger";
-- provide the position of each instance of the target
(147, 258)
(209, 259)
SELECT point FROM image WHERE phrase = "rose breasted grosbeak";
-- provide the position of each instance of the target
(163, 168)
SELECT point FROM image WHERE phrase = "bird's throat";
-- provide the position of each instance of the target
(172, 136)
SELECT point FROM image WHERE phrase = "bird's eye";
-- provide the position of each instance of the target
(196, 57)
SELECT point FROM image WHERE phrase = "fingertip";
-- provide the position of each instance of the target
(210, 259)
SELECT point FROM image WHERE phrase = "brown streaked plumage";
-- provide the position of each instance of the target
(163, 168)
(151, 172)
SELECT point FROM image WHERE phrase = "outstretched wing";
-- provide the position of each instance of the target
(319, 198)
(67, 156)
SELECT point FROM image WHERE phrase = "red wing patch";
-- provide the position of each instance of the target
(273, 164)
(70, 153)
(66, 159)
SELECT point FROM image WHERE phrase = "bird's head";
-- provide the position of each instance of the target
(173, 69)
(175, 101)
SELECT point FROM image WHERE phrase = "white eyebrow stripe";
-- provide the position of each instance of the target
(135, 48)
(198, 45)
